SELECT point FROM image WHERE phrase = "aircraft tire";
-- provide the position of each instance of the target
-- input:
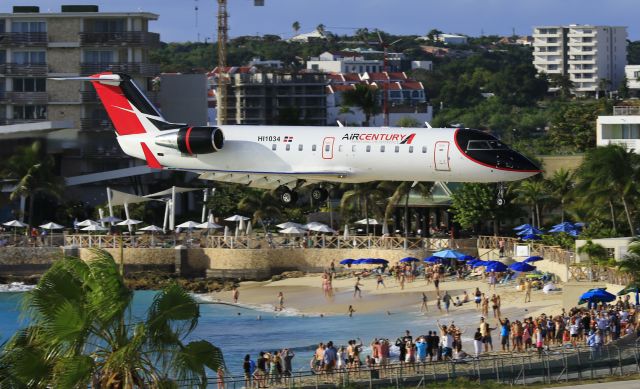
(319, 194)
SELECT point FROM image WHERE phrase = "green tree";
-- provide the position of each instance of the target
(561, 185)
(321, 28)
(604, 85)
(366, 198)
(574, 126)
(81, 332)
(631, 262)
(408, 122)
(533, 193)
(401, 192)
(562, 82)
(475, 203)
(433, 34)
(596, 252)
(260, 204)
(623, 89)
(296, 27)
(365, 98)
(34, 172)
(616, 169)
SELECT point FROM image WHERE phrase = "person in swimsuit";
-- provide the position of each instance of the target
(436, 282)
(356, 288)
(424, 307)
(351, 310)
(235, 294)
(380, 281)
(478, 298)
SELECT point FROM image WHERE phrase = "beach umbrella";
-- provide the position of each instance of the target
(86, 223)
(371, 222)
(129, 222)
(495, 266)
(208, 225)
(432, 259)
(323, 229)
(94, 227)
(633, 287)
(530, 237)
(448, 253)
(293, 231)
(565, 227)
(285, 225)
(15, 224)
(358, 261)
(596, 295)
(373, 261)
(152, 229)
(347, 261)
(522, 227)
(478, 263)
(533, 258)
(189, 225)
(308, 226)
(409, 259)
(236, 218)
(467, 258)
(522, 267)
(530, 231)
(110, 219)
(51, 226)
(241, 225)
(249, 228)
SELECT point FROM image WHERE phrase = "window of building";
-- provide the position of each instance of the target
(109, 25)
(29, 112)
(397, 149)
(382, 149)
(288, 147)
(636, 75)
(411, 149)
(274, 147)
(19, 26)
(300, 147)
(368, 148)
(313, 148)
(424, 149)
(99, 56)
(27, 57)
(29, 85)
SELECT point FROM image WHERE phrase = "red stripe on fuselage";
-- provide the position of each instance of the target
(119, 109)
(152, 161)
(186, 140)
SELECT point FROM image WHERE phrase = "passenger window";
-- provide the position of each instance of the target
(411, 149)
(274, 147)
(327, 148)
(340, 148)
(368, 149)
(288, 147)
(424, 149)
(353, 148)
(397, 149)
(313, 148)
(382, 149)
(300, 147)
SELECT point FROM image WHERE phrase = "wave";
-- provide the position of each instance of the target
(15, 287)
(265, 308)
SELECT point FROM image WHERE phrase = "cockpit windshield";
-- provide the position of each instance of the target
(486, 145)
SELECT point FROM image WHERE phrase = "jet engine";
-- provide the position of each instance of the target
(193, 140)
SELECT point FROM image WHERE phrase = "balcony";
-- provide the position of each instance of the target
(28, 97)
(132, 68)
(25, 69)
(124, 38)
(626, 111)
(23, 39)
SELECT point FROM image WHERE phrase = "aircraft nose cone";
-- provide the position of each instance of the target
(518, 162)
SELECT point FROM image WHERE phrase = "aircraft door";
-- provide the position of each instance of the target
(327, 147)
(441, 156)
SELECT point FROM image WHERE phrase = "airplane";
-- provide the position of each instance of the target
(286, 158)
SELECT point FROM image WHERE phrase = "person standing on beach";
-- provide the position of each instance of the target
(356, 288)
(485, 305)
(447, 301)
(438, 304)
(351, 311)
(436, 282)
(485, 330)
(280, 302)
(235, 294)
(527, 291)
(494, 305)
(424, 306)
(478, 298)
(380, 281)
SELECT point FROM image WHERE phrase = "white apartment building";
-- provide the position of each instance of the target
(623, 128)
(344, 62)
(633, 77)
(586, 53)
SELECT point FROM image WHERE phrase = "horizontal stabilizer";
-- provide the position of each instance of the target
(97, 77)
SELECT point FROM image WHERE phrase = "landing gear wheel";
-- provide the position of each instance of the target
(319, 194)
(287, 196)
(500, 195)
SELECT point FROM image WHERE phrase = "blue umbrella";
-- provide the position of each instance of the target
(496, 266)
(409, 259)
(432, 259)
(374, 261)
(478, 263)
(532, 230)
(534, 258)
(530, 237)
(448, 253)
(596, 295)
(347, 261)
(522, 267)
(565, 227)
(523, 227)
(466, 258)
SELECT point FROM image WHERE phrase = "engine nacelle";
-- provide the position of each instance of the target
(193, 140)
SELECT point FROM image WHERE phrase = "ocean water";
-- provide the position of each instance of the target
(240, 330)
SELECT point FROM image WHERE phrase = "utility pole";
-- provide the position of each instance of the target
(223, 29)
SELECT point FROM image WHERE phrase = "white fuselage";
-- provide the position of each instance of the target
(341, 154)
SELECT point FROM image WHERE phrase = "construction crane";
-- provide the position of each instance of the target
(223, 78)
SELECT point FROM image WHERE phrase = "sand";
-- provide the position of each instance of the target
(305, 296)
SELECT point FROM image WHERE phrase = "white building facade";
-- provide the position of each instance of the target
(339, 62)
(623, 128)
(632, 72)
(586, 53)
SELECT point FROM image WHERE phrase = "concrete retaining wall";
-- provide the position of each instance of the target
(27, 260)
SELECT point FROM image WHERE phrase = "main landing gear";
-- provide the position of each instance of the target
(290, 196)
(500, 194)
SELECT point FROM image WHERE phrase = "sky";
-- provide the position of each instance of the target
(178, 21)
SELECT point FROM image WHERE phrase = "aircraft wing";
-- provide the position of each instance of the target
(272, 180)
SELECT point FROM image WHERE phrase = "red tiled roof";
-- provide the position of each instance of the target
(352, 77)
(342, 88)
(377, 76)
(336, 77)
(413, 85)
(397, 75)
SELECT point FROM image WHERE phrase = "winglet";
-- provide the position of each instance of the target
(152, 161)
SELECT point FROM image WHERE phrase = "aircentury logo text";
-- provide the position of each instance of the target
(404, 139)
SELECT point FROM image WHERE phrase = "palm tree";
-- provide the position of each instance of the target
(364, 97)
(616, 169)
(320, 28)
(82, 333)
(561, 184)
(631, 264)
(596, 252)
(296, 27)
(34, 172)
(603, 85)
(563, 83)
(533, 193)
(365, 198)
(261, 204)
(401, 191)
(362, 34)
(434, 34)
